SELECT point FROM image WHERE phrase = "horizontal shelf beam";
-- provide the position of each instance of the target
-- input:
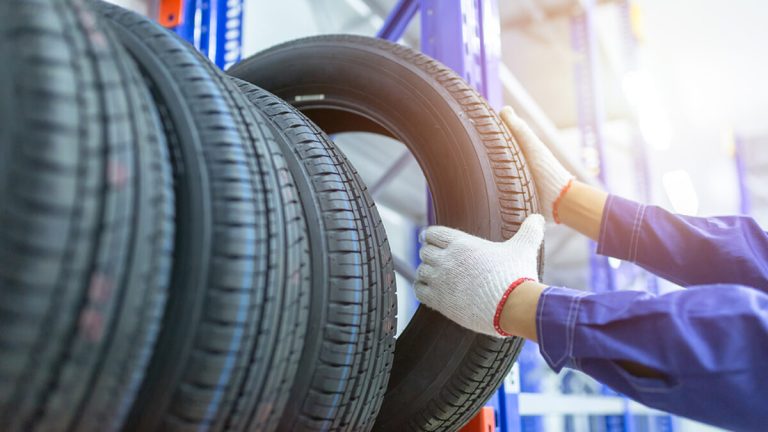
(543, 404)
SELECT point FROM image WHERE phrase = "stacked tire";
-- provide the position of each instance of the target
(183, 250)
(86, 220)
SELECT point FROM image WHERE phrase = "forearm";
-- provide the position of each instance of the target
(581, 208)
(518, 316)
(692, 340)
(684, 249)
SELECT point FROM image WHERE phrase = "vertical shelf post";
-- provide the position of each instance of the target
(214, 27)
(228, 38)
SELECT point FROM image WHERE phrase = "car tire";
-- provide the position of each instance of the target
(344, 367)
(230, 265)
(442, 373)
(86, 221)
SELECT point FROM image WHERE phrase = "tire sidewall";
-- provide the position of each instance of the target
(7, 111)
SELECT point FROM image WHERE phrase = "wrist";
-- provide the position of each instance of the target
(552, 183)
(517, 312)
(581, 208)
(559, 198)
(503, 301)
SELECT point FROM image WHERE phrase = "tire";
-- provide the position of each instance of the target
(233, 270)
(442, 373)
(344, 367)
(281, 323)
(83, 274)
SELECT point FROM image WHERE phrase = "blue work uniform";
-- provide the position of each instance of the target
(709, 343)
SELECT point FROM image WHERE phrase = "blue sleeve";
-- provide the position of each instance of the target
(683, 249)
(710, 346)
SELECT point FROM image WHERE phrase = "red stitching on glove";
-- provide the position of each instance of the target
(503, 301)
(560, 196)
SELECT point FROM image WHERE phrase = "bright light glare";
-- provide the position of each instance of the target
(615, 263)
(360, 7)
(364, 10)
(652, 117)
(681, 193)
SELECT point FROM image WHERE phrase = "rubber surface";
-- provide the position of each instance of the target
(280, 323)
(239, 260)
(344, 367)
(86, 221)
(442, 373)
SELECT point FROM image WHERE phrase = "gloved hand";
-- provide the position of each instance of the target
(468, 279)
(552, 179)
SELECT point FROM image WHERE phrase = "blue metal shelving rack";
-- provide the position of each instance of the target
(214, 27)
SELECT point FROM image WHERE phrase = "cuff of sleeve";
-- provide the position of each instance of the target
(620, 228)
(556, 318)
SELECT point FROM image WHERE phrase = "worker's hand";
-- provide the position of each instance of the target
(551, 178)
(468, 279)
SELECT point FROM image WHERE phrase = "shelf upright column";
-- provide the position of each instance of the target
(465, 36)
(187, 25)
(589, 107)
(228, 34)
(214, 27)
(206, 14)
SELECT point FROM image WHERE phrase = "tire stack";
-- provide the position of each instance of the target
(183, 250)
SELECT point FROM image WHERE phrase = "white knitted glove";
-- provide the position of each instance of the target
(468, 279)
(552, 179)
